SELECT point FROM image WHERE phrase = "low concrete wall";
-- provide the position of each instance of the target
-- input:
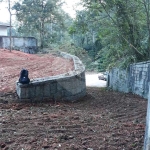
(24, 44)
(135, 79)
(139, 78)
(70, 86)
(119, 80)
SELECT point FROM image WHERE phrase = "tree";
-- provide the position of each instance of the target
(10, 21)
(123, 30)
(37, 14)
(84, 31)
(146, 5)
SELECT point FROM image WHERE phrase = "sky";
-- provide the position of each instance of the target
(68, 7)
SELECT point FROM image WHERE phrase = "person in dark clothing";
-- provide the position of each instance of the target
(24, 79)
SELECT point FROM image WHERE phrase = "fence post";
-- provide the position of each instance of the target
(147, 129)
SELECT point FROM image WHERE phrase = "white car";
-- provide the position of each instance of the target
(102, 76)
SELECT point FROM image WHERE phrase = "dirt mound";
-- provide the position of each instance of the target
(11, 64)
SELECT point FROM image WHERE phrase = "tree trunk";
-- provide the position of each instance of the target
(42, 34)
(10, 37)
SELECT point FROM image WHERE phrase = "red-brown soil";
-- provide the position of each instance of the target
(102, 120)
(11, 64)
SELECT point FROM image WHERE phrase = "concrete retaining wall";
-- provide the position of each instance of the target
(119, 80)
(24, 44)
(140, 78)
(135, 79)
(70, 86)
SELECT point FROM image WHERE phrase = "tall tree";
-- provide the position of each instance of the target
(146, 5)
(123, 29)
(10, 22)
(85, 30)
(35, 14)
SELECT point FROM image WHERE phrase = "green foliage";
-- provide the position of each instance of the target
(74, 50)
(71, 30)
(123, 30)
(42, 18)
(84, 31)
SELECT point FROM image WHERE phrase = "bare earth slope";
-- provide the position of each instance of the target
(11, 64)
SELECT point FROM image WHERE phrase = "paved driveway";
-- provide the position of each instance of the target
(93, 81)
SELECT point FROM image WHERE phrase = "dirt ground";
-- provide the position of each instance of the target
(11, 64)
(102, 120)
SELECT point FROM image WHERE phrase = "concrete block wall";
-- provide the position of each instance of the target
(24, 44)
(140, 78)
(135, 79)
(69, 87)
(118, 80)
